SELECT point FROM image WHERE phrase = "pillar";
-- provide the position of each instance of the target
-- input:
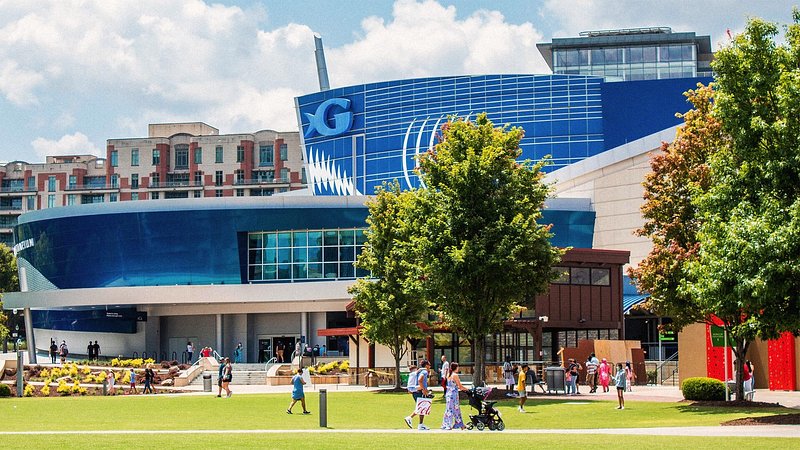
(29, 336)
(219, 334)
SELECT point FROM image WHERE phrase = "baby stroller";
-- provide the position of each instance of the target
(488, 416)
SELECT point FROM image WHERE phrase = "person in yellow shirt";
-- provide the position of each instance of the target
(522, 388)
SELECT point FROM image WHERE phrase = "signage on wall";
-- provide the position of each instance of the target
(666, 336)
(339, 123)
(718, 337)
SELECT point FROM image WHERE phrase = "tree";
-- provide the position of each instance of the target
(746, 271)
(391, 304)
(722, 204)
(482, 251)
(679, 172)
(9, 282)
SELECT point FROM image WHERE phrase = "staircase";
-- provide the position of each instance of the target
(247, 374)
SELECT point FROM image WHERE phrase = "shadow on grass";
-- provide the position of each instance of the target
(714, 410)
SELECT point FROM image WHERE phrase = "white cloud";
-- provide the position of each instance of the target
(69, 144)
(17, 84)
(426, 38)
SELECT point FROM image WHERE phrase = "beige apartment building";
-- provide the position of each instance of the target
(175, 160)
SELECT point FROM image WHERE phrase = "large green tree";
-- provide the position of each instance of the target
(483, 251)
(390, 304)
(747, 271)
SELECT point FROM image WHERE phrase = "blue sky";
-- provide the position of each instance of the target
(76, 73)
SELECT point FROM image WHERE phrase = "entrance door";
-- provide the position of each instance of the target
(264, 349)
(287, 344)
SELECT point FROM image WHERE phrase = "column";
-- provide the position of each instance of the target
(29, 336)
(219, 334)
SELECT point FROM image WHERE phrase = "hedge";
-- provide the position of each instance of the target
(703, 389)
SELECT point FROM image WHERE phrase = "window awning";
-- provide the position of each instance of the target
(631, 295)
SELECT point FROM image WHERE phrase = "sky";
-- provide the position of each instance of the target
(74, 73)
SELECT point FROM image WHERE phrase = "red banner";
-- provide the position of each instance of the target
(782, 363)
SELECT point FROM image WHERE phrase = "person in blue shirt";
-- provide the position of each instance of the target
(619, 380)
(297, 392)
(422, 376)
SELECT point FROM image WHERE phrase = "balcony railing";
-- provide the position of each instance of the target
(16, 189)
(174, 184)
(89, 187)
(278, 180)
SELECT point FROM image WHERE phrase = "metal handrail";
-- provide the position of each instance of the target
(270, 362)
(276, 180)
(660, 368)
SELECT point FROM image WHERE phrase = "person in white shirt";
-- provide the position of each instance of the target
(444, 372)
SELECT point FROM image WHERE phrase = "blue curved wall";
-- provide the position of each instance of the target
(150, 244)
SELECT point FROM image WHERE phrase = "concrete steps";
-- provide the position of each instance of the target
(246, 377)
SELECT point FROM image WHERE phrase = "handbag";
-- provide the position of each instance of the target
(569, 376)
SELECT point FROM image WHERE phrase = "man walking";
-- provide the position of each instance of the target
(444, 372)
(591, 373)
(96, 348)
(53, 351)
(421, 409)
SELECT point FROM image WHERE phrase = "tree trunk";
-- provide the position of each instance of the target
(480, 347)
(740, 350)
(397, 384)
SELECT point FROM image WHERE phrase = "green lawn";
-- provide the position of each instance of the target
(352, 410)
(340, 441)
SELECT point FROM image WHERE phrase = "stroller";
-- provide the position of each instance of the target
(488, 416)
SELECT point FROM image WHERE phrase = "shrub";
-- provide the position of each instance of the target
(28, 391)
(5, 391)
(165, 364)
(344, 366)
(63, 389)
(45, 390)
(703, 389)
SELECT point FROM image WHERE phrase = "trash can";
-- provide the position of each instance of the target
(403, 378)
(554, 377)
(207, 382)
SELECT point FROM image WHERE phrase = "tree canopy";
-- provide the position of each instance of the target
(9, 282)
(483, 253)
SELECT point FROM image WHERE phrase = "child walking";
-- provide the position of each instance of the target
(620, 378)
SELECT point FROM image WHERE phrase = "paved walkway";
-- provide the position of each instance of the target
(781, 431)
(642, 393)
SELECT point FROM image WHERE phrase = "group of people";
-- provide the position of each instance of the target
(224, 377)
(418, 387)
(58, 351)
(93, 351)
(148, 379)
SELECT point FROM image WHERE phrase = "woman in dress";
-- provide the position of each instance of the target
(604, 372)
(452, 413)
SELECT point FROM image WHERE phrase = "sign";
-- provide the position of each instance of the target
(718, 336)
(666, 336)
(320, 123)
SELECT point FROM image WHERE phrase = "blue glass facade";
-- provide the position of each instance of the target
(211, 241)
(357, 137)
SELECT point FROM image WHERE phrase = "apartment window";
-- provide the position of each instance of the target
(31, 182)
(239, 153)
(198, 178)
(198, 194)
(112, 197)
(218, 193)
(303, 175)
(240, 192)
(181, 156)
(114, 158)
(285, 175)
(32, 203)
(198, 155)
(155, 179)
(284, 152)
(115, 181)
(134, 181)
(266, 155)
(218, 178)
(218, 155)
(134, 196)
(156, 156)
(72, 181)
(51, 200)
(134, 157)
(154, 196)
(71, 198)
(239, 176)
(51, 183)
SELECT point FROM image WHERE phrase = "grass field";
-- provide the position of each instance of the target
(341, 441)
(351, 410)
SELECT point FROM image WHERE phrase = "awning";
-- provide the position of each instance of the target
(348, 331)
(631, 295)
